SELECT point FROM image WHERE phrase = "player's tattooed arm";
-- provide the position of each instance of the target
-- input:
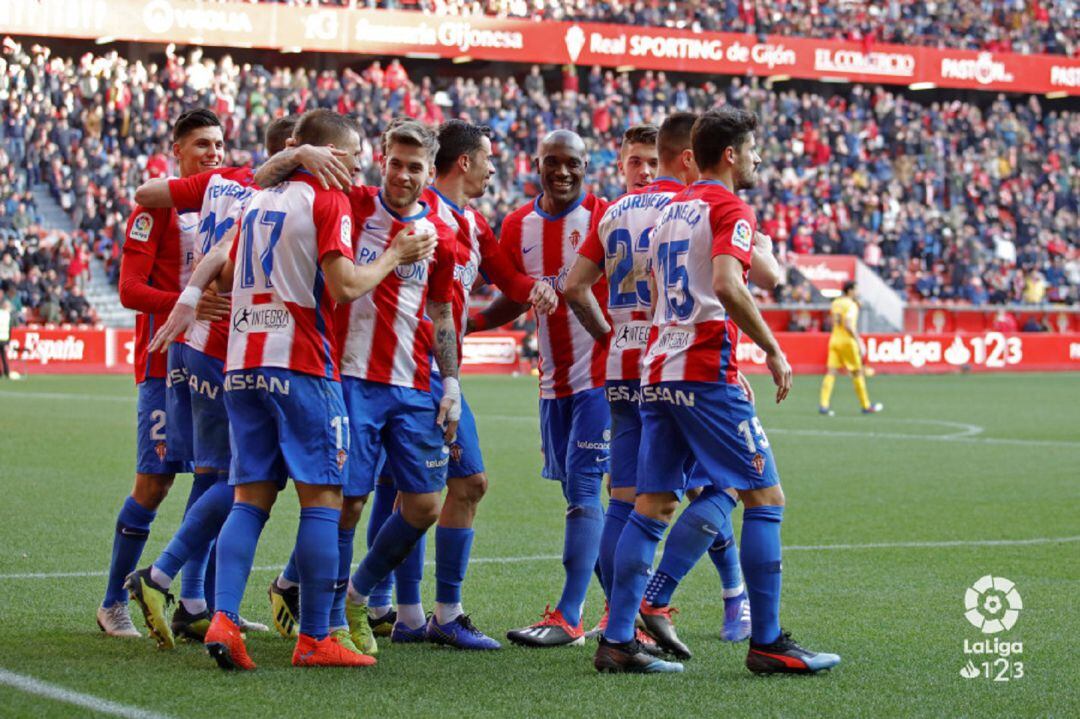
(579, 295)
(154, 193)
(446, 355)
(731, 290)
(764, 269)
(323, 163)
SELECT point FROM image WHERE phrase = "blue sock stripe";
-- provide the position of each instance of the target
(236, 553)
(392, 544)
(633, 563)
(761, 556)
(409, 574)
(317, 558)
(346, 538)
(615, 518)
(581, 546)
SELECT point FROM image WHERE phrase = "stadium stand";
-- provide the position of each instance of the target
(947, 199)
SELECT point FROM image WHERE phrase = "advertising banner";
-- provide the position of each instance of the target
(92, 351)
(388, 32)
(827, 273)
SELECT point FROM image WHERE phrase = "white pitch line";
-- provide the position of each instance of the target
(966, 435)
(550, 557)
(30, 685)
(70, 396)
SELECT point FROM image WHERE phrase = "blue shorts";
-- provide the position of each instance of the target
(286, 424)
(575, 434)
(401, 420)
(714, 424)
(199, 430)
(624, 398)
(152, 443)
(178, 405)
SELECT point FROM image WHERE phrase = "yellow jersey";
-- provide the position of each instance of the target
(843, 308)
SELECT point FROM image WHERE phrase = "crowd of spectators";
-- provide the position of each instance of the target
(949, 200)
(1026, 26)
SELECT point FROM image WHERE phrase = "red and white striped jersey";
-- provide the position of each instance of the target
(282, 313)
(156, 263)
(619, 243)
(544, 247)
(386, 335)
(219, 196)
(478, 254)
(692, 337)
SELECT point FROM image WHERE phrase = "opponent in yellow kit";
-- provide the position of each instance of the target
(844, 352)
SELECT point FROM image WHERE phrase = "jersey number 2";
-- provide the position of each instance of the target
(625, 291)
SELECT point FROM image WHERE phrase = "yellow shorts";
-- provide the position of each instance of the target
(845, 354)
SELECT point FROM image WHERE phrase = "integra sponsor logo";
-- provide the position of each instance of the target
(261, 318)
(633, 335)
(672, 339)
(255, 380)
(660, 393)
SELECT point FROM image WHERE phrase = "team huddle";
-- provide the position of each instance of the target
(293, 325)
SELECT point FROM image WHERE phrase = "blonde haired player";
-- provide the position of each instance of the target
(845, 352)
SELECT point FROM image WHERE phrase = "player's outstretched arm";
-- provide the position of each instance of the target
(183, 313)
(739, 303)
(322, 162)
(347, 281)
(446, 355)
(154, 193)
(764, 269)
(501, 311)
(579, 295)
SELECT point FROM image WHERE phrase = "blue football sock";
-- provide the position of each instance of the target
(236, 553)
(691, 536)
(393, 543)
(382, 506)
(725, 555)
(200, 526)
(132, 530)
(194, 570)
(761, 566)
(317, 560)
(210, 583)
(452, 549)
(618, 512)
(581, 546)
(409, 574)
(290, 572)
(345, 538)
(633, 562)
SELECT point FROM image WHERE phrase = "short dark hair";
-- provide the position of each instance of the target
(193, 119)
(457, 138)
(849, 286)
(643, 134)
(323, 127)
(278, 132)
(717, 130)
(674, 136)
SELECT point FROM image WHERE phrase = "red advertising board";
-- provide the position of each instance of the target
(89, 351)
(387, 32)
(926, 353)
(827, 273)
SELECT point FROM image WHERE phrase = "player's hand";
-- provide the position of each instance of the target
(450, 408)
(180, 320)
(326, 165)
(212, 306)
(763, 242)
(413, 245)
(745, 384)
(543, 298)
(781, 374)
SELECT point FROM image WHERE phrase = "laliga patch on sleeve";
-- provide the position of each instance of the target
(141, 227)
(742, 235)
(346, 231)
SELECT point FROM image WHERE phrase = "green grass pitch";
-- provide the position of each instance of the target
(890, 518)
